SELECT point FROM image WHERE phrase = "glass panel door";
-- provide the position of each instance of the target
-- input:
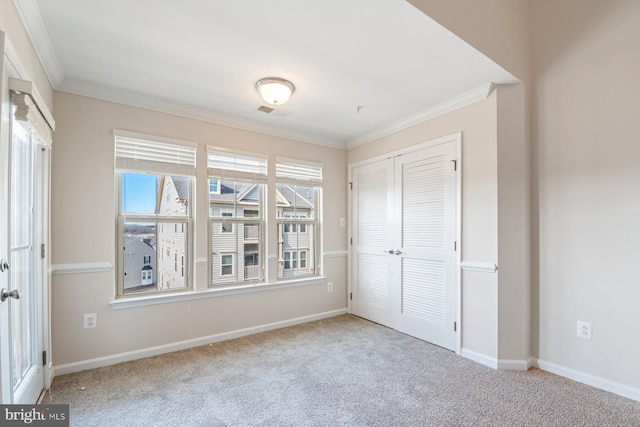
(27, 380)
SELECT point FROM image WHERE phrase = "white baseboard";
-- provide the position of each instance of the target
(183, 345)
(588, 379)
(479, 358)
(492, 362)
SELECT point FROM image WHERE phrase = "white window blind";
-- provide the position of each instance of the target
(294, 172)
(141, 155)
(233, 166)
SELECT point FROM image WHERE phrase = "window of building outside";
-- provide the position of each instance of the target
(214, 186)
(298, 195)
(155, 181)
(236, 218)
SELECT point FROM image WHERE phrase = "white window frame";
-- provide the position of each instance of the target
(307, 174)
(224, 222)
(230, 166)
(217, 190)
(270, 279)
(129, 160)
(233, 263)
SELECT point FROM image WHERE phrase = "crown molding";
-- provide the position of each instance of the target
(189, 111)
(32, 21)
(451, 104)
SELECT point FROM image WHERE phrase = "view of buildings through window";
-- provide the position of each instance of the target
(155, 251)
(155, 220)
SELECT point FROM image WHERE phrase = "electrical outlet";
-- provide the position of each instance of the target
(330, 287)
(584, 330)
(90, 320)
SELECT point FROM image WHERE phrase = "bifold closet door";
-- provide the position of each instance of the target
(425, 213)
(404, 254)
(372, 208)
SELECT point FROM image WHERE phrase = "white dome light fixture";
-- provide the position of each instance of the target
(274, 90)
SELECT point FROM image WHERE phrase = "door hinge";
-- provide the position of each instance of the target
(42, 251)
(351, 240)
(351, 186)
(44, 358)
(455, 326)
(455, 245)
(455, 165)
(350, 295)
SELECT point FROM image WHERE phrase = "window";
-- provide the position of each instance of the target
(227, 227)
(155, 220)
(155, 181)
(287, 260)
(214, 186)
(236, 219)
(303, 259)
(299, 192)
(295, 260)
(226, 265)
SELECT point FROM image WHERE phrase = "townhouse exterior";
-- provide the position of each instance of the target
(236, 235)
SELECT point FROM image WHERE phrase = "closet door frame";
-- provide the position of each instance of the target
(456, 139)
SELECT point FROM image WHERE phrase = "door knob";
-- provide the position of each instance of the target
(398, 252)
(15, 294)
(4, 265)
(389, 251)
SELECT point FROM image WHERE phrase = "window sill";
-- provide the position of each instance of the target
(141, 301)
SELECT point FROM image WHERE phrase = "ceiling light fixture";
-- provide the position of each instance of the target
(274, 90)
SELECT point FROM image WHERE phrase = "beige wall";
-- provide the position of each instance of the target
(585, 129)
(477, 122)
(514, 302)
(11, 24)
(83, 216)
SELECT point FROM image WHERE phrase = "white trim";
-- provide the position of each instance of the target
(480, 358)
(92, 267)
(191, 112)
(164, 298)
(484, 267)
(588, 379)
(335, 254)
(458, 278)
(195, 342)
(32, 21)
(478, 94)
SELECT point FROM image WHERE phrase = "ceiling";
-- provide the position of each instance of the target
(362, 68)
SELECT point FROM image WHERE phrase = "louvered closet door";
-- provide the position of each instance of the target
(424, 208)
(372, 208)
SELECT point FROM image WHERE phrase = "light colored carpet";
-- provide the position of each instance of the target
(343, 371)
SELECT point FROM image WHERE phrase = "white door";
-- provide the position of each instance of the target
(425, 212)
(21, 278)
(372, 240)
(404, 256)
